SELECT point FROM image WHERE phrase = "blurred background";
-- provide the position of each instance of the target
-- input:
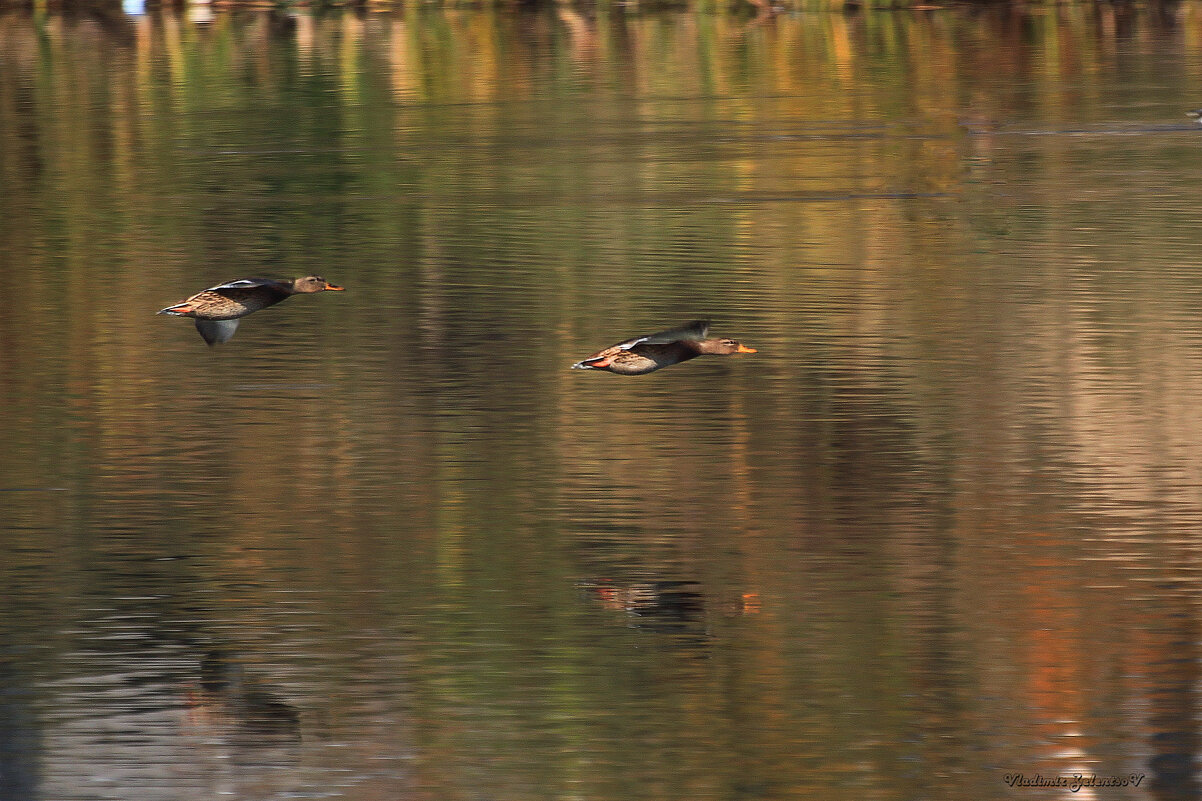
(942, 529)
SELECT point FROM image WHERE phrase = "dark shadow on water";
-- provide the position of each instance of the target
(20, 732)
(1174, 705)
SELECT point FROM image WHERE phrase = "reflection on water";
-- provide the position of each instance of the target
(940, 530)
(224, 698)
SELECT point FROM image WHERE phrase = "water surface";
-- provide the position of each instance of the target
(940, 531)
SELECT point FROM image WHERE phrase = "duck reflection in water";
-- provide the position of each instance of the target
(666, 605)
(249, 712)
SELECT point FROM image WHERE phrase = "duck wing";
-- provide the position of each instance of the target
(695, 331)
(217, 332)
(243, 284)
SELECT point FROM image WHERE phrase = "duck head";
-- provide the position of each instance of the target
(723, 347)
(314, 283)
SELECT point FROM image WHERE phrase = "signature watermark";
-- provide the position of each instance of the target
(1073, 783)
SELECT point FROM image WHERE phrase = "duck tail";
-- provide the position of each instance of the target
(178, 310)
(596, 363)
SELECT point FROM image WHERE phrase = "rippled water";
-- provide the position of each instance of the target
(937, 539)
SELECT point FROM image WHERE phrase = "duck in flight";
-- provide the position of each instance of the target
(650, 353)
(218, 309)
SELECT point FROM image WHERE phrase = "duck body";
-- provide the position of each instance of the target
(642, 355)
(218, 309)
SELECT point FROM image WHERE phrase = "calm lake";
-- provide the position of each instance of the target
(940, 538)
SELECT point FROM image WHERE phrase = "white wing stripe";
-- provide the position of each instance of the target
(244, 283)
